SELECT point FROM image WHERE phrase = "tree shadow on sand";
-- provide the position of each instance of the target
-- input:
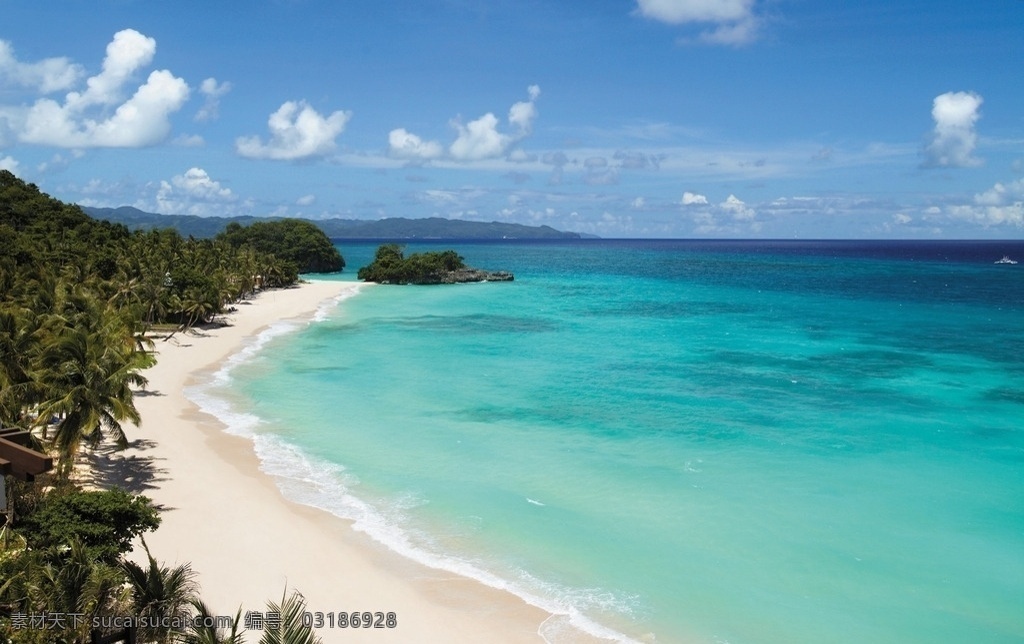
(106, 466)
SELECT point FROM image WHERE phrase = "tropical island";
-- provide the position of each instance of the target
(390, 266)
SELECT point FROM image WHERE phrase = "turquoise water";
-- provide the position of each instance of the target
(710, 442)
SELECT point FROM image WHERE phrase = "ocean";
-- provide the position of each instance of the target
(675, 441)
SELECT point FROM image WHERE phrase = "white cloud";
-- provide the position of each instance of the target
(192, 193)
(47, 75)
(954, 138)
(197, 184)
(406, 145)
(306, 200)
(297, 131)
(140, 121)
(8, 163)
(79, 122)
(479, 139)
(213, 92)
(693, 199)
(737, 209)
(523, 113)
(730, 217)
(128, 52)
(476, 140)
(1001, 193)
(679, 11)
(733, 21)
(1002, 204)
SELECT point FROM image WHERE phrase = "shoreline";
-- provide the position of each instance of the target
(246, 540)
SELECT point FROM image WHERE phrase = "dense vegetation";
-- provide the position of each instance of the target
(78, 296)
(66, 561)
(389, 266)
(296, 241)
(78, 301)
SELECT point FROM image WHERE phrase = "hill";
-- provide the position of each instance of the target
(394, 228)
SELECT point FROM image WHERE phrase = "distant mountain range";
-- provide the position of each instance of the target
(393, 228)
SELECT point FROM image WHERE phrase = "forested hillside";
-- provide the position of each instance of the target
(78, 296)
(78, 300)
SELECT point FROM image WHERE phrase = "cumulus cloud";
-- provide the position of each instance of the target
(737, 209)
(732, 22)
(306, 200)
(523, 113)
(693, 199)
(953, 140)
(297, 131)
(128, 52)
(81, 121)
(479, 139)
(476, 140)
(406, 145)
(8, 163)
(192, 193)
(213, 91)
(48, 75)
(1002, 204)
(729, 217)
(140, 121)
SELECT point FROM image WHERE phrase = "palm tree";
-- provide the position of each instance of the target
(18, 344)
(87, 368)
(69, 581)
(204, 631)
(290, 629)
(161, 593)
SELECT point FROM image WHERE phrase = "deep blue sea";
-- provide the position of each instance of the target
(676, 441)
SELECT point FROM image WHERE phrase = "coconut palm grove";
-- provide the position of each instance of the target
(82, 303)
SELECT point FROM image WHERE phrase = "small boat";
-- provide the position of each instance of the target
(1006, 260)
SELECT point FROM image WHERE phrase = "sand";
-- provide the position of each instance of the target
(247, 542)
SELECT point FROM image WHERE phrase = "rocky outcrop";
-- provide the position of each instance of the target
(464, 275)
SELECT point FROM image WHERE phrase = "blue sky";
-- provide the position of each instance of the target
(621, 118)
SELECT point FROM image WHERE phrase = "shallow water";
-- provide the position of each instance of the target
(703, 441)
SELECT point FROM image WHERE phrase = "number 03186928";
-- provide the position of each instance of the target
(354, 619)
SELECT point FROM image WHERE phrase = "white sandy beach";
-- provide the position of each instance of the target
(227, 518)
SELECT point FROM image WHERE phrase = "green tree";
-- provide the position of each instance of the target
(390, 266)
(295, 241)
(291, 629)
(203, 630)
(103, 522)
(160, 594)
(89, 364)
